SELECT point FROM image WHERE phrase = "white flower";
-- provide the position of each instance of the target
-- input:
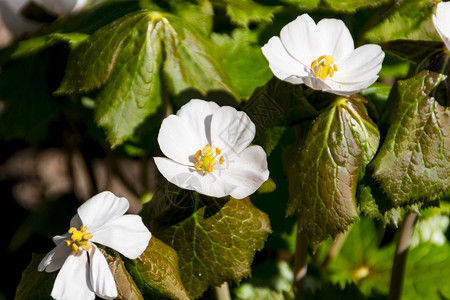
(84, 270)
(208, 151)
(323, 57)
(11, 12)
(441, 21)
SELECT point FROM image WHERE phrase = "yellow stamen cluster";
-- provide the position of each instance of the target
(206, 160)
(325, 66)
(79, 239)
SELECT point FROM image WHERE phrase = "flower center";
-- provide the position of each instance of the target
(206, 160)
(79, 239)
(324, 66)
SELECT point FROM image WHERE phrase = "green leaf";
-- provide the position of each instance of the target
(243, 60)
(156, 272)
(413, 162)
(323, 172)
(304, 4)
(275, 106)
(414, 51)
(407, 19)
(426, 274)
(190, 62)
(215, 239)
(244, 12)
(36, 44)
(35, 285)
(362, 261)
(126, 287)
(126, 58)
(350, 6)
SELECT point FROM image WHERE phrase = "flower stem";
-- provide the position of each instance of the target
(300, 262)
(335, 248)
(222, 292)
(401, 254)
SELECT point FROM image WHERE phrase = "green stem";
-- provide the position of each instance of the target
(401, 254)
(222, 292)
(335, 248)
(300, 262)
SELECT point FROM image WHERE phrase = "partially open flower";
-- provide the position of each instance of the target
(84, 270)
(441, 21)
(323, 57)
(208, 151)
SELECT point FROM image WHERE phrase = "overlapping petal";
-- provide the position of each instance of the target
(73, 281)
(101, 209)
(229, 132)
(101, 278)
(441, 21)
(100, 220)
(125, 234)
(305, 42)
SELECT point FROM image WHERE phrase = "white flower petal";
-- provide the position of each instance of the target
(231, 130)
(178, 141)
(336, 39)
(197, 114)
(364, 63)
(72, 281)
(102, 208)
(55, 258)
(302, 40)
(182, 176)
(247, 172)
(125, 234)
(441, 21)
(282, 64)
(347, 89)
(102, 280)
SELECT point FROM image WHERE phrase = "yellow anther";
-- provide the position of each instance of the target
(75, 247)
(197, 154)
(206, 159)
(79, 238)
(324, 66)
(86, 247)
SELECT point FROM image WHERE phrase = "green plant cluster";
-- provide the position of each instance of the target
(351, 166)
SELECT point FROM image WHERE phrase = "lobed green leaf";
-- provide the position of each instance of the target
(323, 172)
(215, 239)
(413, 162)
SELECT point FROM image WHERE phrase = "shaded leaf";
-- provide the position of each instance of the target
(215, 239)
(413, 162)
(156, 272)
(414, 51)
(275, 106)
(324, 170)
(35, 285)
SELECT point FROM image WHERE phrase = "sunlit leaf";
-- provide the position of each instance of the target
(156, 272)
(324, 170)
(215, 239)
(413, 162)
